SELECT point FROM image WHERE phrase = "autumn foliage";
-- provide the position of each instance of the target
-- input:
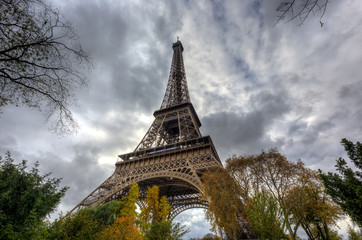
(269, 196)
(226, 209)
(119, 220)
(123, 228)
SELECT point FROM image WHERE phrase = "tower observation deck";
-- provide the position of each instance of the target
(172, 155)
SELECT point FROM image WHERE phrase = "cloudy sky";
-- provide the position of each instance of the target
(254, 86)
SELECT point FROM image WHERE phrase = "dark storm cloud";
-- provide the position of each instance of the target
(296, 127)
(272, 105)
(233, 129)
(131, 47)
(22, 128)
(119, 132)
(246, 133)
(135, 60)
(309, 133)
(82, 174)
(77, 164)
(131, 66)
(253, 85)
(351, 91)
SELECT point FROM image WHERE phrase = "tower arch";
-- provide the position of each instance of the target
(173, 154)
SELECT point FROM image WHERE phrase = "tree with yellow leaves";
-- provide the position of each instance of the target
(128, 204)
(263, 190)
(226, 209)
(125, 224)
(154, 221)
(120, 220)
(123, 228)
(312, 208)
(157, 209)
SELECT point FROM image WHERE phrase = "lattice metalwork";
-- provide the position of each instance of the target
(171, 125)
(176, 91)
(172, 155)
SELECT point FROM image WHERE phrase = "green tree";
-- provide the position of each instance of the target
(79, 226)
(166, 230)
(271, 172)
(333, 235)
(265, 216)
(345, 188)
(105, 221)
(107, 212)
(26, 199)
(40, 60)
(178, 231)
(353, 235)
(120, 220)
(257, 183)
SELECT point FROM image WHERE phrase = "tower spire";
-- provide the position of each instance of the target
(172, 155)
(176, 91)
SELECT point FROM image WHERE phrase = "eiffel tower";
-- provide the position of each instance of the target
(172, 155)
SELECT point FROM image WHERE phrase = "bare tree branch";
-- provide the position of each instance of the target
(300, 9)
(41, 60)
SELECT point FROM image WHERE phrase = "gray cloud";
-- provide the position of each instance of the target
(134, 61)
(241, 133)
(253, 86)
(86, 174)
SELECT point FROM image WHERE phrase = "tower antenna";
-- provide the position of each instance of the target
(172, 155)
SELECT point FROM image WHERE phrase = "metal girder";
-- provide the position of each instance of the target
(179, 169)
(176, 90)
(172, 155)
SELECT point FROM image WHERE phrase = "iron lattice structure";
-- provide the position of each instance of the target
(172, 155)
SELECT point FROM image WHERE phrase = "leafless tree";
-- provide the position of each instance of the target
(300, 10)
(41, 61)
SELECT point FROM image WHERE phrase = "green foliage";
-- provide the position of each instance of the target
(90, 221)
(165, 230)
(268, 171)
(353, 235)
(80, 226)
(277, 195)
(104, 213)
(119, 220)
(26, 199)
(35, 229)
(178, 231)
(333, 235)
(345, 188)
(265, 216)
